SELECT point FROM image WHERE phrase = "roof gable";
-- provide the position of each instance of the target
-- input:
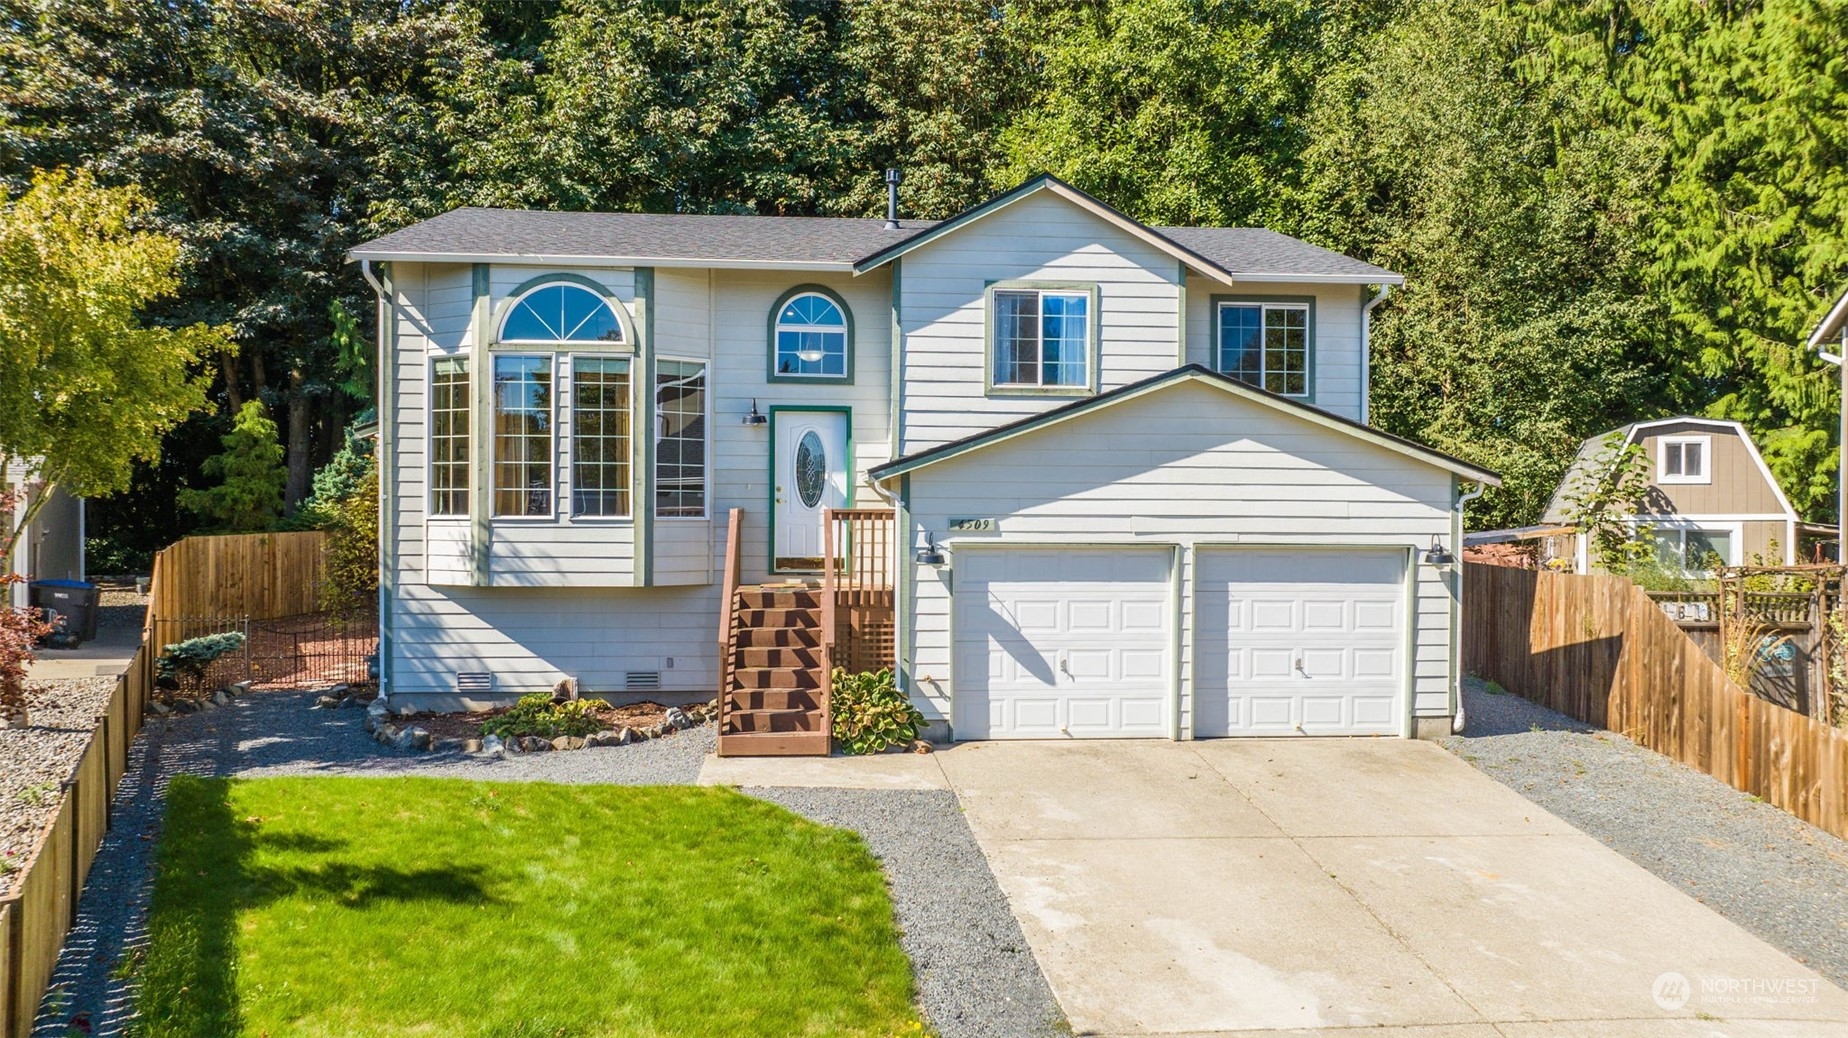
(1635, 432)
(1191, 373)
(1047, 183)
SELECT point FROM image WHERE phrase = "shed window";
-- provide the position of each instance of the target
(680, 440)
(522, 435)
(449, 436)
(1693, 551)
(1041, 338)
(561, 312)
(1266, 345)
(600, 436)
(811, 338)
(1683, 459)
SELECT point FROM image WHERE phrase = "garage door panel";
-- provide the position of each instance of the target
(1300, 640)
(1083, 640)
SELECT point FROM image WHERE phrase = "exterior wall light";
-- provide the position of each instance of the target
(929, 554)
(1437, 554)
(756, 417)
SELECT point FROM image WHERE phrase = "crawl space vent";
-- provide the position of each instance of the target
(474, 681)
(642, 681)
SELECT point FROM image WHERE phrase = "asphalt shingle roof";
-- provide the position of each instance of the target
(1259, 250)
(665, 236)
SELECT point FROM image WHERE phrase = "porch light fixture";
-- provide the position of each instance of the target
(756, 417)
(929, 554)
(1437, 554)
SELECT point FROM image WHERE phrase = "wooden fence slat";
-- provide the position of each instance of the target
(1598, 649)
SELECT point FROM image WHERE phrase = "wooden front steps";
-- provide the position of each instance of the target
(773, 702)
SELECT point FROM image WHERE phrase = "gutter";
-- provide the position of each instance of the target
(1366, 350)
(1457, 719)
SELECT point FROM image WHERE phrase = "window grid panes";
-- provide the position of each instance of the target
(1266, 345)
(680, 439)
(599, 436)
(1041, 337)
(449, 436)
(561, 313)
(811, 338)
(523, 435)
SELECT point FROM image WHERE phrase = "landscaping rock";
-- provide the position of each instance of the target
(492, 746)
(451, 745)
(238, 688)
(332, 690)
(326, 703)
(568, 742)
(387, 734)
(922, 746)
(185, 706)
(471, 746)
(607, 737)
(352, 702)
(534, 744)
(407, 711)
(160, 708)
(677, 719)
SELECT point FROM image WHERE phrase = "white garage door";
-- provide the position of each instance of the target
(1309, 640)
(1067, 643)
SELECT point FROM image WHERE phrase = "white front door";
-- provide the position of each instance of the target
(1301, 641)
(808, 474)
(1062, 643)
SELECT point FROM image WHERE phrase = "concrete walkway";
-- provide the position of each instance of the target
(1307, 887)
(109, 654)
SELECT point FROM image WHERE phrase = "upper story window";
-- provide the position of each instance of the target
(561, 312)
(1041, 338)
(811, 336)
(1266, 345)
(1683, 459)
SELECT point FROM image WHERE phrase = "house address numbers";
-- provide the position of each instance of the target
(971, 525)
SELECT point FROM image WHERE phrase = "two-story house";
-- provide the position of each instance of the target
(1073, 475)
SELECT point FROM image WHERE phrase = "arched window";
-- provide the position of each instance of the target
(561, 312)
(810, 337)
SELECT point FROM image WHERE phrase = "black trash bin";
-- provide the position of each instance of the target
(75, 600)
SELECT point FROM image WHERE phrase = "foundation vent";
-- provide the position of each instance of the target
(642, 681)
(474, 681)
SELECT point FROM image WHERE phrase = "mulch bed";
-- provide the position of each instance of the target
(468, 725)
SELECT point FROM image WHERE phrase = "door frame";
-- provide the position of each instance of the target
(770, 467)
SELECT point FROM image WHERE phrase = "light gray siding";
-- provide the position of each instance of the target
(1335, 356)
(1040, 238)
(1192, 466)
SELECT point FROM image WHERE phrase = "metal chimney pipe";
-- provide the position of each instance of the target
(893, 176)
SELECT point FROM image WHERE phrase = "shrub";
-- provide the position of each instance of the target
(188, 660)
(351, 583)
(538, 715)
(871, 714)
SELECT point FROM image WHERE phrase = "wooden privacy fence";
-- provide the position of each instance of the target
(261, 575)
(1598, 649)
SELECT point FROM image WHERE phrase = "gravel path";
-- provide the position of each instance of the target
(35, 762)
(1777, 877)
(975, 974)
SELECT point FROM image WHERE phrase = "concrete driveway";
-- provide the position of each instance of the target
(1314, 886)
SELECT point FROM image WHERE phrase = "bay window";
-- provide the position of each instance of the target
(600, 439)
(523, 476)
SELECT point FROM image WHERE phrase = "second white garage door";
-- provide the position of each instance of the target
(1308, 641)
(1062, 643)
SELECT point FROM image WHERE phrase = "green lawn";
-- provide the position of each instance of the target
(355, 907)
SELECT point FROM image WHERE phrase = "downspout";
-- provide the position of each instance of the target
(1366, 351)
(385, 442)
(1456, 629)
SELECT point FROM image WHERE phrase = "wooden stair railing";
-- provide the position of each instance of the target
(728, 609)
(858, 568)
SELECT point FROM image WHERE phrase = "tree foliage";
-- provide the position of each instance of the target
(351, 585)
(248, 476)
(87, 389)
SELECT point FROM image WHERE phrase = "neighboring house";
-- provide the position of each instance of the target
(1107, 479)
(1710, 496)
(52, 548)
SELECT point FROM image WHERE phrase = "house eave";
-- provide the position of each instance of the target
(551, 260)
(1829, 329)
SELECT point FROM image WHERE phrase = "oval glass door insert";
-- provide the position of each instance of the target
(811, 469)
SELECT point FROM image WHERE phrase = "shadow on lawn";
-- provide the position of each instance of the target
(208, 874)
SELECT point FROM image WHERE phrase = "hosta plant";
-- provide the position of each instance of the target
(871, 714)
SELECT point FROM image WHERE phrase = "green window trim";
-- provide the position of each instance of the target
(1218, 303)
(1093, 339)
(773, 319)
(624, 319)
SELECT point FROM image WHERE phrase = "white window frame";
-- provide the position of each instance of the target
(1705, 475)
(513, 303)
(468, 437)
(1265, 308)
(493, 444)
(1735, 536)
(1093, 338)
(844, 330)
(568, 428)
(654, 444)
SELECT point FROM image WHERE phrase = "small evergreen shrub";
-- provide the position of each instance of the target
(871, 714)
(188, 661)
(538, 715)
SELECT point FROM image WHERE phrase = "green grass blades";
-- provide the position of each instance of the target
(359, 907)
